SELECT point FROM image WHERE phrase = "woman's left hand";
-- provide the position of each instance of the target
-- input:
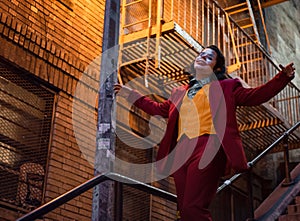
(289, 70)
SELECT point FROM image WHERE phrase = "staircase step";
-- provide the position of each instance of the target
(234, 7)
(250, 25)
(294, 217)
(277, 202)
(243, 21)
(297, 200)
(238, 11)
(293, 209)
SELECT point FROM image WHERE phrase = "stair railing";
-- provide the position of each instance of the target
(120, 179)
(288, 181)
(237, 65)
(208, 23)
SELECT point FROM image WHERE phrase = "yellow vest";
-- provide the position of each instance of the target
(195, 117)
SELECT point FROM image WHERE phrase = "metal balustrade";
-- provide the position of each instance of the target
(252, 163)
(142, 38)
(53, 204)
(205, 23)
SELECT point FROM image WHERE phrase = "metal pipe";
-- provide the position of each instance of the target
(288, 180)
(53, 204)
(119, 201)
(261, 155)
(250, 191)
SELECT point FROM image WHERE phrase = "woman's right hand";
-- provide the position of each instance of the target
(125, 91)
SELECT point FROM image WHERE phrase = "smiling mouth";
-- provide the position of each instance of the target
(200, 62)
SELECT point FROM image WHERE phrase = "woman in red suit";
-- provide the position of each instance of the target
(202, 142)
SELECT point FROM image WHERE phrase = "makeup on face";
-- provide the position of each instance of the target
(204, 63)
(207, 57)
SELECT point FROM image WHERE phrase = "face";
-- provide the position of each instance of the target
(205, 61)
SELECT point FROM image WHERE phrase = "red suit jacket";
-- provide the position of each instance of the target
(224, 97)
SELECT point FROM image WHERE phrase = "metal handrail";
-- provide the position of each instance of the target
(260, 156)
(53, 204)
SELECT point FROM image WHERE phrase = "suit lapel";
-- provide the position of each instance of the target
(176, 99)
(216, 96)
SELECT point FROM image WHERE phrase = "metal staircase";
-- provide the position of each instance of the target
(293, 211)
(262, 213)
(283, 203)
(243, 15)
(159, 53)
(140, 15)
(248, 14)
(157, 41)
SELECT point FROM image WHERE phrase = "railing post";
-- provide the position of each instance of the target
(250, 190)
(119, 201)
(288, 180)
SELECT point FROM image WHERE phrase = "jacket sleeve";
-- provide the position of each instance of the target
(148, 105)
(256, 96)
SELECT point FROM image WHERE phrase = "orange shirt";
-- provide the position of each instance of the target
(195, 116)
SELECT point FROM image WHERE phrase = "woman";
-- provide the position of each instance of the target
(202, 142)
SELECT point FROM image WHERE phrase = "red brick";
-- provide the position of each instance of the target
(40, 42)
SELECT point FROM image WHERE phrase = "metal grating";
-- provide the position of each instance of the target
(176, 55)
(260, 126)
(135, 203)
(25, 119)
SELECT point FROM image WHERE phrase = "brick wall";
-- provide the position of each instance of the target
(56, 41)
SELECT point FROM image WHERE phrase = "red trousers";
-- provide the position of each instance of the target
(196, 185)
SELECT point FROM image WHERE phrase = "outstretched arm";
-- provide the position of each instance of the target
(145, 103)
(261, 94)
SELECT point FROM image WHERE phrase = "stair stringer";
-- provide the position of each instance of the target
(276, 203)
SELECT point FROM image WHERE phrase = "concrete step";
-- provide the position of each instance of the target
(279, 200)
(289, 217)
(293, 209)
(297, 200)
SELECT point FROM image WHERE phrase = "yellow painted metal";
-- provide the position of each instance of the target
(238, 11)
(236, 66)
(264, 25)
(139, 17)
(135, 23)
(122, 21)
(253, 20)
(232, 68)
(158, 33)
(132, 3)
(144, 33)
(244, 4)
(175, 34)
(148, 43)
(247, 26)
